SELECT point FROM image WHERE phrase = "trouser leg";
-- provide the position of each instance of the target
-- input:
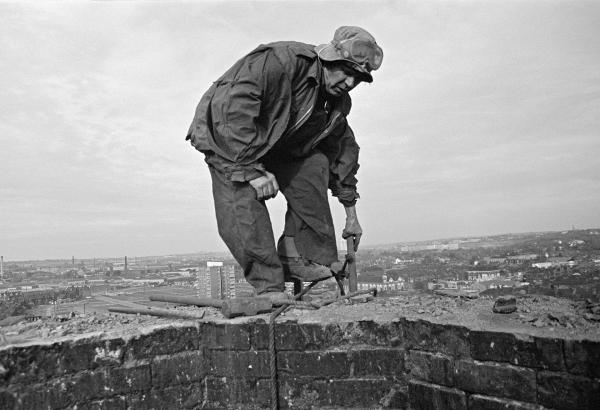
(304, 183)
(245, 226)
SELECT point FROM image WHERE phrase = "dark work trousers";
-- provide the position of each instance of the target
(245, 226)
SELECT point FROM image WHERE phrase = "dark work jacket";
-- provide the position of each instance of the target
(264, 97)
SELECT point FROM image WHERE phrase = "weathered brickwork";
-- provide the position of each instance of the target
(403, 364)
(520, 350)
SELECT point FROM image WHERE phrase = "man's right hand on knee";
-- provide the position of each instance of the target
(266, 186)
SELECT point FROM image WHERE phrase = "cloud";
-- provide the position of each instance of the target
(483, 117)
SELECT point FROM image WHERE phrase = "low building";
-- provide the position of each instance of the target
(448, 284)
(482, 275)
(555, 262)
(494, 260)
(520, 259)
(562, 261)
(430, 247)
(381, 283)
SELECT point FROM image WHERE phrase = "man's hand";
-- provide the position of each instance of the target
(266, 186)
(352, 227)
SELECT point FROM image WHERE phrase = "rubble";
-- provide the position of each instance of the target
(534, 314)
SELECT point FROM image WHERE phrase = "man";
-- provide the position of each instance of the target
(276, 120)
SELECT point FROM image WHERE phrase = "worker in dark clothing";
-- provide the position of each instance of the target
(276, 120)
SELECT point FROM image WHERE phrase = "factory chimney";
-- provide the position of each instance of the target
(2, 267)
(125, 263)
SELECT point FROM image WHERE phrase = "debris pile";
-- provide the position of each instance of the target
(590, 310)
(73, 324)
(533, 314)
(545, 314)
(547, 311)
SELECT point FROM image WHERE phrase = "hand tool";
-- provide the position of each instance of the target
(229, 307)
(351, 258)
(159, 312)
(348, 296)
(135, 308)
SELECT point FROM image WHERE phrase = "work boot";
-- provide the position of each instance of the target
(303, 270)
(337, 268)
(276, 298)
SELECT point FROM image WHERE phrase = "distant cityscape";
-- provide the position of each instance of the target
(564, 264)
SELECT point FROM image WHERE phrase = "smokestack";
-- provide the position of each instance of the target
(125, 263)
(73, 260)
(2, 267)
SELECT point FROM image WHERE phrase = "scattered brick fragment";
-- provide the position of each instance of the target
(505, 305)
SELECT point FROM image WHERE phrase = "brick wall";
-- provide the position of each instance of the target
(401, 364)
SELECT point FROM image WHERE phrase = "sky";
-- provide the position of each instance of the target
(483, 119)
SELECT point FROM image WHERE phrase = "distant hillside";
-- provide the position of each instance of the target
(537, 240)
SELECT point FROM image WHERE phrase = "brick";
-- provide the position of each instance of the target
(291, 336)
(77, 355)
(308, 393)
(430, 367)
(74, 357)
(168, 398)
(8, 400)
(294, 336)
(565, 391)
(233, 392)
(163, 341)
(316, 364)
(302, 393)
(396, 398)
(373, 333)
(245, 364)
(259, 335)
(377, 362)
(87, 385)
(28, 364)
(426, 396)
(582, 357)
(108, 352)
(217, 393)
(43, 396)
(519, 350)
(25, 364)
(434, 337)
(361, 393)
(113, 403)
(225, 336)
(479, 402)
(181, 368)
(495, 380)
(129, 378)
(505, 305)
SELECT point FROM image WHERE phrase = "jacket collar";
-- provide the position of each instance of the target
(315, 72)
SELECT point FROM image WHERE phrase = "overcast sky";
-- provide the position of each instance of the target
(484, 119)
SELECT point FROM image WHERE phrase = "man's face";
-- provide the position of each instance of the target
(339, 78)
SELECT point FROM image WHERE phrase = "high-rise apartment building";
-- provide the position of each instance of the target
(217, 281)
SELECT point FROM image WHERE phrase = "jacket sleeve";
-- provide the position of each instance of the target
(343, 159)
(256, 90)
